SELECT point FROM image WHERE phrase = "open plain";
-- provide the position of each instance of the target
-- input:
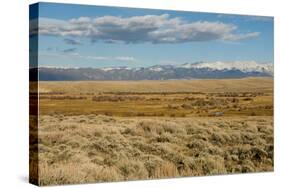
(96, 131)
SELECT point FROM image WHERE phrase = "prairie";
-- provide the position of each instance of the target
(174, 98)
(100, 131)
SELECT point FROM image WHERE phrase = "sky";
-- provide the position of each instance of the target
(72, 35)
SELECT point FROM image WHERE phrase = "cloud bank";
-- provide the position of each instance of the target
(141, 29)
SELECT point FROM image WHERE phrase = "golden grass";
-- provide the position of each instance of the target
(146, 98)
(129, 130)
(90, 148)
(209, 85)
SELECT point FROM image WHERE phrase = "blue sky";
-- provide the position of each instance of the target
(95, 36)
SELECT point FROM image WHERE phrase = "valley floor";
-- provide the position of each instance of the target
(102, 131)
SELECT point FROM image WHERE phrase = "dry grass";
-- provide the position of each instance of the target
(146, 98)
(90, 148)
(130, 130)
(208, 85)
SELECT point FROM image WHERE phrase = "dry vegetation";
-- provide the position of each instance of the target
(240, 97)
(90, 148)
(113, 131)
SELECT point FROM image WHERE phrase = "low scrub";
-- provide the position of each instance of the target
(98, 148)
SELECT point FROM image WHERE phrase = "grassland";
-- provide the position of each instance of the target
(128, 130)
(238, 97)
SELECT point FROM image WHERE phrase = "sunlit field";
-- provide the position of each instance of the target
(98, 131)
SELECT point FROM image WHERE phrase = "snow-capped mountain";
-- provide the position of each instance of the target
(115, 68)
(243, 66)
(197, 70)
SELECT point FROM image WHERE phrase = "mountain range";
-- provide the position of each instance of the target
(197, 70)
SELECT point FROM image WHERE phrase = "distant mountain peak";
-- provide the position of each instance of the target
(244, 66)
(197, 70)
(115, 68)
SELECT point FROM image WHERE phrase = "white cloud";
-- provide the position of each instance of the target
(125, 58)
(139, 29)
(106, 58)
(71, 53)
(96, 57)
(236, 37)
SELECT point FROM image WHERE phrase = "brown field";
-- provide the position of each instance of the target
(127, 130)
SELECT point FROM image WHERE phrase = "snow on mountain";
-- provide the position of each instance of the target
(198, 70)
(156, 68)
(244, 66)
(107, 69)
(159, 68)
(114, 68)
